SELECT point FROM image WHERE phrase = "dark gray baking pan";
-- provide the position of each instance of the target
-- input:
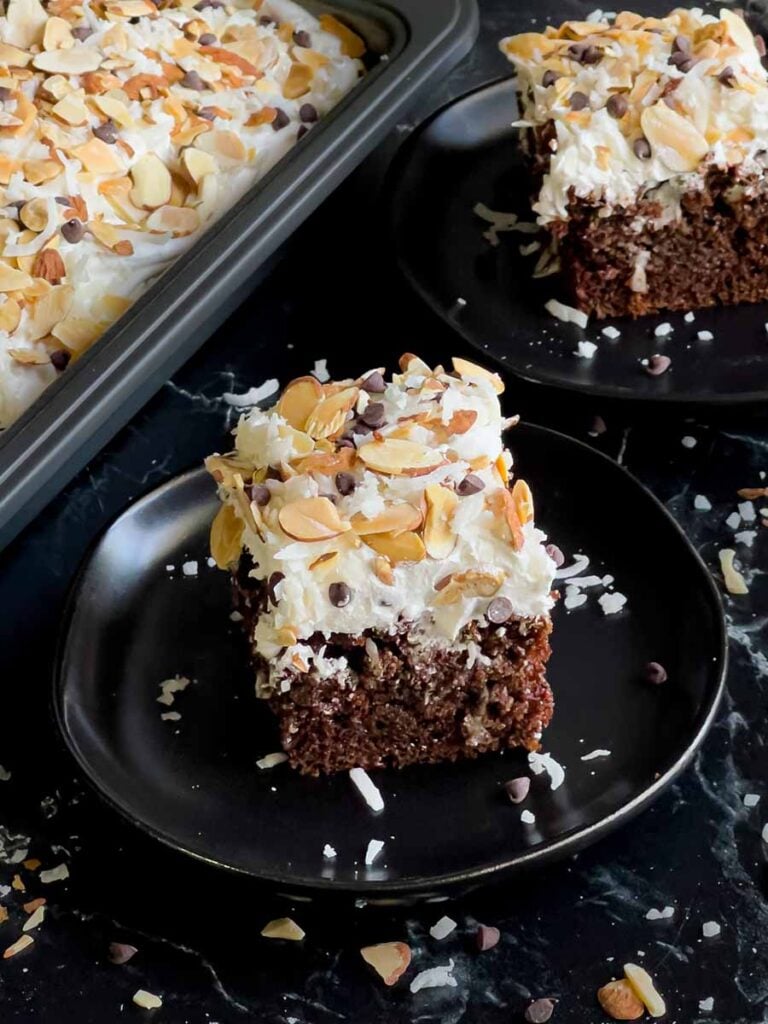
(87, 405)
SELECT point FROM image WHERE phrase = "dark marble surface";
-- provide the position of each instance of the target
(566, 930)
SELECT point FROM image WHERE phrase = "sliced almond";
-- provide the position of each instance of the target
(226, 537)
(298, 81)
(71, 109)
(394, 457)
(619, 1001)
(57, 35)
(197, 163)
(351, 43)
(77, 61)
(18, 946)
(152, 182)
(398, 547)
(409, 363)
(501, 468)
(8, 167)
(131, 9)
(676, 141)
(13, 57)
(114, 108)
(738, 30)
(10, 315)
(396, 518)
(180, 220)
(97, 157)
(461, 421)
(390, 960)
(327, 463)
(77, 333)
(283, 928)
(39, 171)
(324, 562)
(28, 356)
(642, 983)
(329, 415)
(439, 536)
(50, 266)
(224, 145)
(25, 22)
(47, 311)
(471, 371)
(311, 519)
(523, 499)
(12, 280)
(382, 567)
(504, 508)
(734, 581)
(467, 584)
(298, 400)
(34, 214)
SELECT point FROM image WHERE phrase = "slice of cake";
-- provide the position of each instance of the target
(393, 586)
(648, 141)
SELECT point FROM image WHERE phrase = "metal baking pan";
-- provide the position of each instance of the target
(95, 397)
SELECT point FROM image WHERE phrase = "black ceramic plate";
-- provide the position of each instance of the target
(194, 783)
(468, 153)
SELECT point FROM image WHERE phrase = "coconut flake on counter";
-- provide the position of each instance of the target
(573, 598)
(58, 874)
(751, 799)
(701, 503)
(365, 786)
(747, 511)
(705, 336)
(688, 441)
(710, 929)
(746, 537)
(580, 563)
(329, 852)
(190, 568)
(442, 928)
(527, 818)
(5, 775)
(567, 314)
(320, 371)
(734, 581)
(660, 915)
(169, 687)
(539, 763)
(663, 330)
(612, 603)
(611, 332)
(272, 760)
(435, 977)
(585, 350)
(375, 846)
(254, 395)
(594, 754)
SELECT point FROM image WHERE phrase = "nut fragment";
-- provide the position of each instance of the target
(283, 928)
(396, 518)
(147, 1000)
(382, 567)
(389, 959)
(470, 370)
(439, 536)
(398, 547)
(50, 266)
(469, 583)
(619, 1001)
(324, 562)
(152, 182)
(226, 537)
(677, 142)
(395, 457)
(18, 946)
(298, 400)
(311, 519)
(642, 983)
(738, 30)
(734, 581)
(330, 414)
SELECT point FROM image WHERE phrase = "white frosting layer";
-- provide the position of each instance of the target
(691, 116)
(100, 283)
(480, 542)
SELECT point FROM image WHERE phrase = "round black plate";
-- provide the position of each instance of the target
(194, 783)
(468, 153)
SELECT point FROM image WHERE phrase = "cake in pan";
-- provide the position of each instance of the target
(395, 591)
(648, 145)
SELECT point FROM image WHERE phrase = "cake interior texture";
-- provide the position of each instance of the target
(394, 590)
(648, 145)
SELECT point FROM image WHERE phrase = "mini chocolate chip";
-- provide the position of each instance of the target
(260, 494)
(192, 80)
(208, 39)
(655, 673)
(345, 483)
(82, 32)
(345, 442)
(617, 105)
(555, 554)
(374, 383)
(107, 132)
(63, 200)
(539, 1012)
(471, 484)
(575, 50)
(265, 21)
(374, 415)
(518, 789)
(486, 937)
(549, 78)
(301, 131)
(682, 43)
(591, 55)
(208, 113)
(727, 76)
(360, 427)
(121, 952)
(578, 100)
(272, 582)
(760, 45)
(657, 365)
(678, 57)
(339, 595)
(499, 610)
(641, 147)
(60, 359)
(308, 113)
(72, 231)
(5, 93)
(302, 38)
(280, 120)
(598, 426)
(208, 3)
(686, 65)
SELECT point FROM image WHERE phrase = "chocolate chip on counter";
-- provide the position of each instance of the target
(727, 77)
(260, 493)
(339, 594)
(549, 78)
(107, 132)
(499, 610)
(657, 365)
(578, 100)
(345, 483)
(555, 554)
(302, 38)
(60, 359)
(539, 1012)
(72, 231)
(486, 937)
(121, 952)
(82, 32)
(308, 113)
(655, 673)
(208, 39)
(208, 113)
(272, 582)
(192, 80)
(760, 45)
(641, 147)
(374, 415)
(471, 484)
(617, 105)
(374, 383)
(518, 789)
(280, 120)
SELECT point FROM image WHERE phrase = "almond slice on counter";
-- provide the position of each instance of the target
(330, 414)
(469, 370)
(643, 986)
(394, 457)
(619, 1001)
(397, 547)
(152, 182)
(439, 537)
(469, 583)
(299, 399)
(226, 537)
(396, 518)
(311, 519)
(389, 959)
(283, 928)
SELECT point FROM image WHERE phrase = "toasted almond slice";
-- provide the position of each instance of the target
(461, 421)
(619, 1001)
(28, 356)
(471, 371)
(50, 266)
(10, 315)
(409, 363)
(738, 30)
(181, 220)
(502, 505)
(501, 468)
(642, 983)
(676, 141)
(382, 567)
(734, 581)
(283, 928)
(223, 468)
(298, 81)
(351, 43)
(78, 333)
(311, 519)
(298, 400)
(226, 537)
(469, 583)
(114, 108)
(34, 214)
(47, 311)
(389, 959)
(13, 57)
(22, 943)
(146, 1000)
(324, 562)
(397, 547)
(97, 157)
(152, 182)
(12, 280)
(131, 9)
(394, 457)
(77, 61)
(57, 35)
(396, 518)
(197, 163)
(71, 109)
(329, 415)
(224, 145)
(523, 499)
(25, 22)
(439, 537)
(39, 171)
(327, 463)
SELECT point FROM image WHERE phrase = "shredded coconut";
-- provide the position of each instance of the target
(435, 977)
(271, 760)
(580, 563)
(702, 503)
(660, 915)
(539, 763)
(254, 395)
(567, 314)
(321, 371)
(367, 789)
(707, 1005)
(443, 928)
(612, 603)
(375, 846)
(594, 754)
